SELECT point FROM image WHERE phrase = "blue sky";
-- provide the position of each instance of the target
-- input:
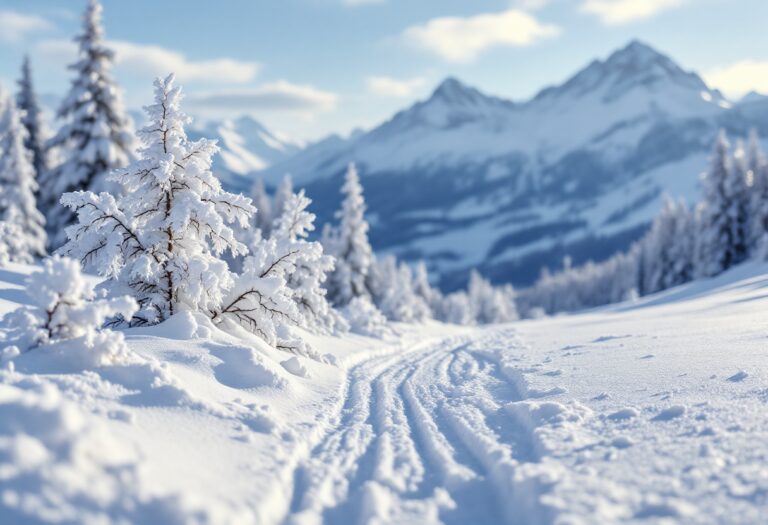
(311, 67)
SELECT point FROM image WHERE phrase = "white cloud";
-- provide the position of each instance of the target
(159, 61)
(15, 26)
(275, 96)
(391, 87)
(616, 12)
(463, 39)
(740, 77)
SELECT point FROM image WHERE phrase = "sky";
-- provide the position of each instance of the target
(308, 68)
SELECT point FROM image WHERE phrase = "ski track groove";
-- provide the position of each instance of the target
(422, 437)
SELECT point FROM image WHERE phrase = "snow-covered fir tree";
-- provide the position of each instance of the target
(18, 205)
(263, 218)
(94, 137)
(164, 238)
(349, 244)
(487, 303)
(281, 284)
(309, 266)
(33, 120)
(739, 193)
(282, 194)
(456, 309)
(393, 290)
(423, 288)
(64, 306)
(716, 247)
(757, 180)
(668, 248)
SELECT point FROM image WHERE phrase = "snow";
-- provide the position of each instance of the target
(651, 410)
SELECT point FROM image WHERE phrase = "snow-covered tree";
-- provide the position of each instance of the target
(33, 121)
(95, 137)
(668, 248)
(306, 276)
(163, 239)
(424, 289)
(349, 245)
(64, 306)
(17, 187)
(487, 303)
(456, 309)
(739, 192)
(716, 246)
(281, 284)
(757, 180)
(394, 294)
(13, 248)
(282, 194)
(263, 218)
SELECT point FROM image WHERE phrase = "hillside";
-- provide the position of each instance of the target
(650, 410)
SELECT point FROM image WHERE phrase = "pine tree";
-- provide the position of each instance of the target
(715, 242)
(263, 218)
(739, 194)
(394, 294)
(488, 304)
(283, 193)
(349, 245)
(95, 137)
(164, 238)
(668, 248)
(757, 180)
(17, 187)
(32, 118)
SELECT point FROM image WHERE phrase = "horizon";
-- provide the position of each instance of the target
(266, 70)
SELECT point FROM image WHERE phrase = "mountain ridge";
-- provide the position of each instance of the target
(464, 179)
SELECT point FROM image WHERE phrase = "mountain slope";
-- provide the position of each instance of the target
(246, 146)
(466, 179)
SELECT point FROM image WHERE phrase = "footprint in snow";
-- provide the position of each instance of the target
(670, 413)
(738, 376)
(601, 396)
(648, 356)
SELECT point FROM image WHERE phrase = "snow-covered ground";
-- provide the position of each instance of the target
(635, 413)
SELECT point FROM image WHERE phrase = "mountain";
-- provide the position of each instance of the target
(465, 179)
(246, 146)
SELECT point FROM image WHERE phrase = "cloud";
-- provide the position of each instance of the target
(740, 77)
(617, 12)
(275, 96)
(462, 39)
(15, 26)
(159, 61)
(391, 87)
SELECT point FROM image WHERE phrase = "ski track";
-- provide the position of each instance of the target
(423, 437)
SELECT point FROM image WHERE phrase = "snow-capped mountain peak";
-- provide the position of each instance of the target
(466, 179)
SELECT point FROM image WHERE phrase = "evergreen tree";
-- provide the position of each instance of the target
(283, 193)
(349, 245)
(32, 119)
(394, 294)
(163, 239)
(17, 187)
(739, 196)
(757, 179)
(95, 137)
(715, 241)
(488, 304)
(263, 218)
